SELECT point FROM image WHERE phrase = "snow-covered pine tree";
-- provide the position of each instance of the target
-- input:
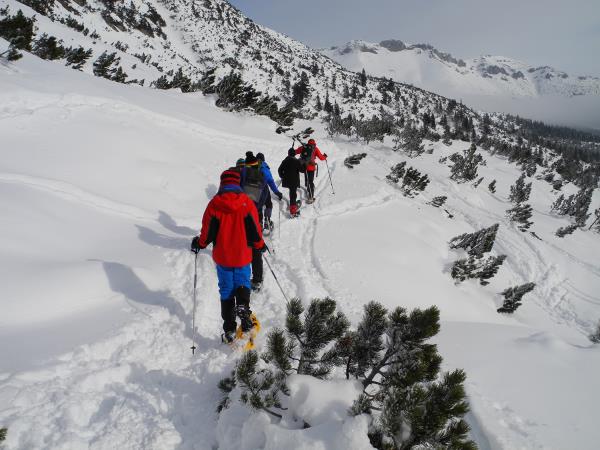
(3, 432)
(409, 139)
(478, 182)
(566, 230)
(17, 30)
(595, 336)
(413, 182)
(77, 57)
(576, 205)
(259, 387)
(410, 404)
(438, 201)
(354, 160)
(300, 91)
(465, 166)
(106, 65)
(478, 243)
(513, 297)
(47, 47)
(520, 214)
(520, 191)
(492, 187)
(477, 268)
(397, 172)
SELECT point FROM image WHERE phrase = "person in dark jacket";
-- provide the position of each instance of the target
(230, 222)
(309, 154)
(289, 172)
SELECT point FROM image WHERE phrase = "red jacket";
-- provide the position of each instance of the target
(230, 223)
(312, 165)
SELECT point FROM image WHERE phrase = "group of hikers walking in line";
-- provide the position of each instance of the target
(234, 220)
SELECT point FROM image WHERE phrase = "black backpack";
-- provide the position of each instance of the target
(306, 156)
(254, 182)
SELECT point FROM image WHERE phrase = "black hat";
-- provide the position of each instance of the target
(261, 157)
(250, 158)
(292, 152)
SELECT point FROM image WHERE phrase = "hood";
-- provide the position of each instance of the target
(229, 202)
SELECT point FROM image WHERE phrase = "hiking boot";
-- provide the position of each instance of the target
(228, 337)
(243, 312)
(268, 223)
(256, 285)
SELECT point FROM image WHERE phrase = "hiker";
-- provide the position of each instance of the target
(268, 223)
(230, 223)
(256, 181)
(308, 153)
(289, 172)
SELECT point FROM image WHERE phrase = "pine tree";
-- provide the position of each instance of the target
(363, 78)
(566, 230)
(519, 192)
(354, 160)
(478, 243)
(181, 81)
(398, 369)
(3, 432)
(318, 104)
(397, 172)
(106, 65)
(513, 297)
(492, 187)
(327, 106)
(521, 214)
(260, 387)
(77, 57)
(18, 31)
(438, 201)
(409, 139)
(477, 268)
(47, 47)
(478, 182)
(465, 166)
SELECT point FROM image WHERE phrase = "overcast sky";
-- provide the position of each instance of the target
(564, 34)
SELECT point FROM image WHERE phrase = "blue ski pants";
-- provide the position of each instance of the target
(231, 278)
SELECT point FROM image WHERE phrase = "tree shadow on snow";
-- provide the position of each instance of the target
(122, 279)
(151, 237)
(167, 221)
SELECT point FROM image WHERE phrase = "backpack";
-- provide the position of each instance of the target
(254, 182)
(307, 155)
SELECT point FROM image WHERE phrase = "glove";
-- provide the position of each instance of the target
(325, 155)
(263, 249)
(196, 247)
(279, 196)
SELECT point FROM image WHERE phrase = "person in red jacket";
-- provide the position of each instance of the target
(309, 152)
(230, 222)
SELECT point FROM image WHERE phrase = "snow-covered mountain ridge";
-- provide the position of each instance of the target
(427, 67)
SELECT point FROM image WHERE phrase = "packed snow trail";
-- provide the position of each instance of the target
(102, 203)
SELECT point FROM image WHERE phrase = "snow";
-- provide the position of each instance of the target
(541, 93)
(103, 185)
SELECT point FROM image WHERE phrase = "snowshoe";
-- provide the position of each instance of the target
(245, 340)
(310, 200)
(256, 286)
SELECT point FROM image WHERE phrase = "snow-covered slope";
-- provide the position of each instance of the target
(433, 70)
(102, 187)
(489, 83)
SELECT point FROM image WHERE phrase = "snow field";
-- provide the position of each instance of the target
(105, 185)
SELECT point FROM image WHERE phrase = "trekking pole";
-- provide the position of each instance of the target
(287, 300)
(279, 221)
(329, 173)
(193, 347)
